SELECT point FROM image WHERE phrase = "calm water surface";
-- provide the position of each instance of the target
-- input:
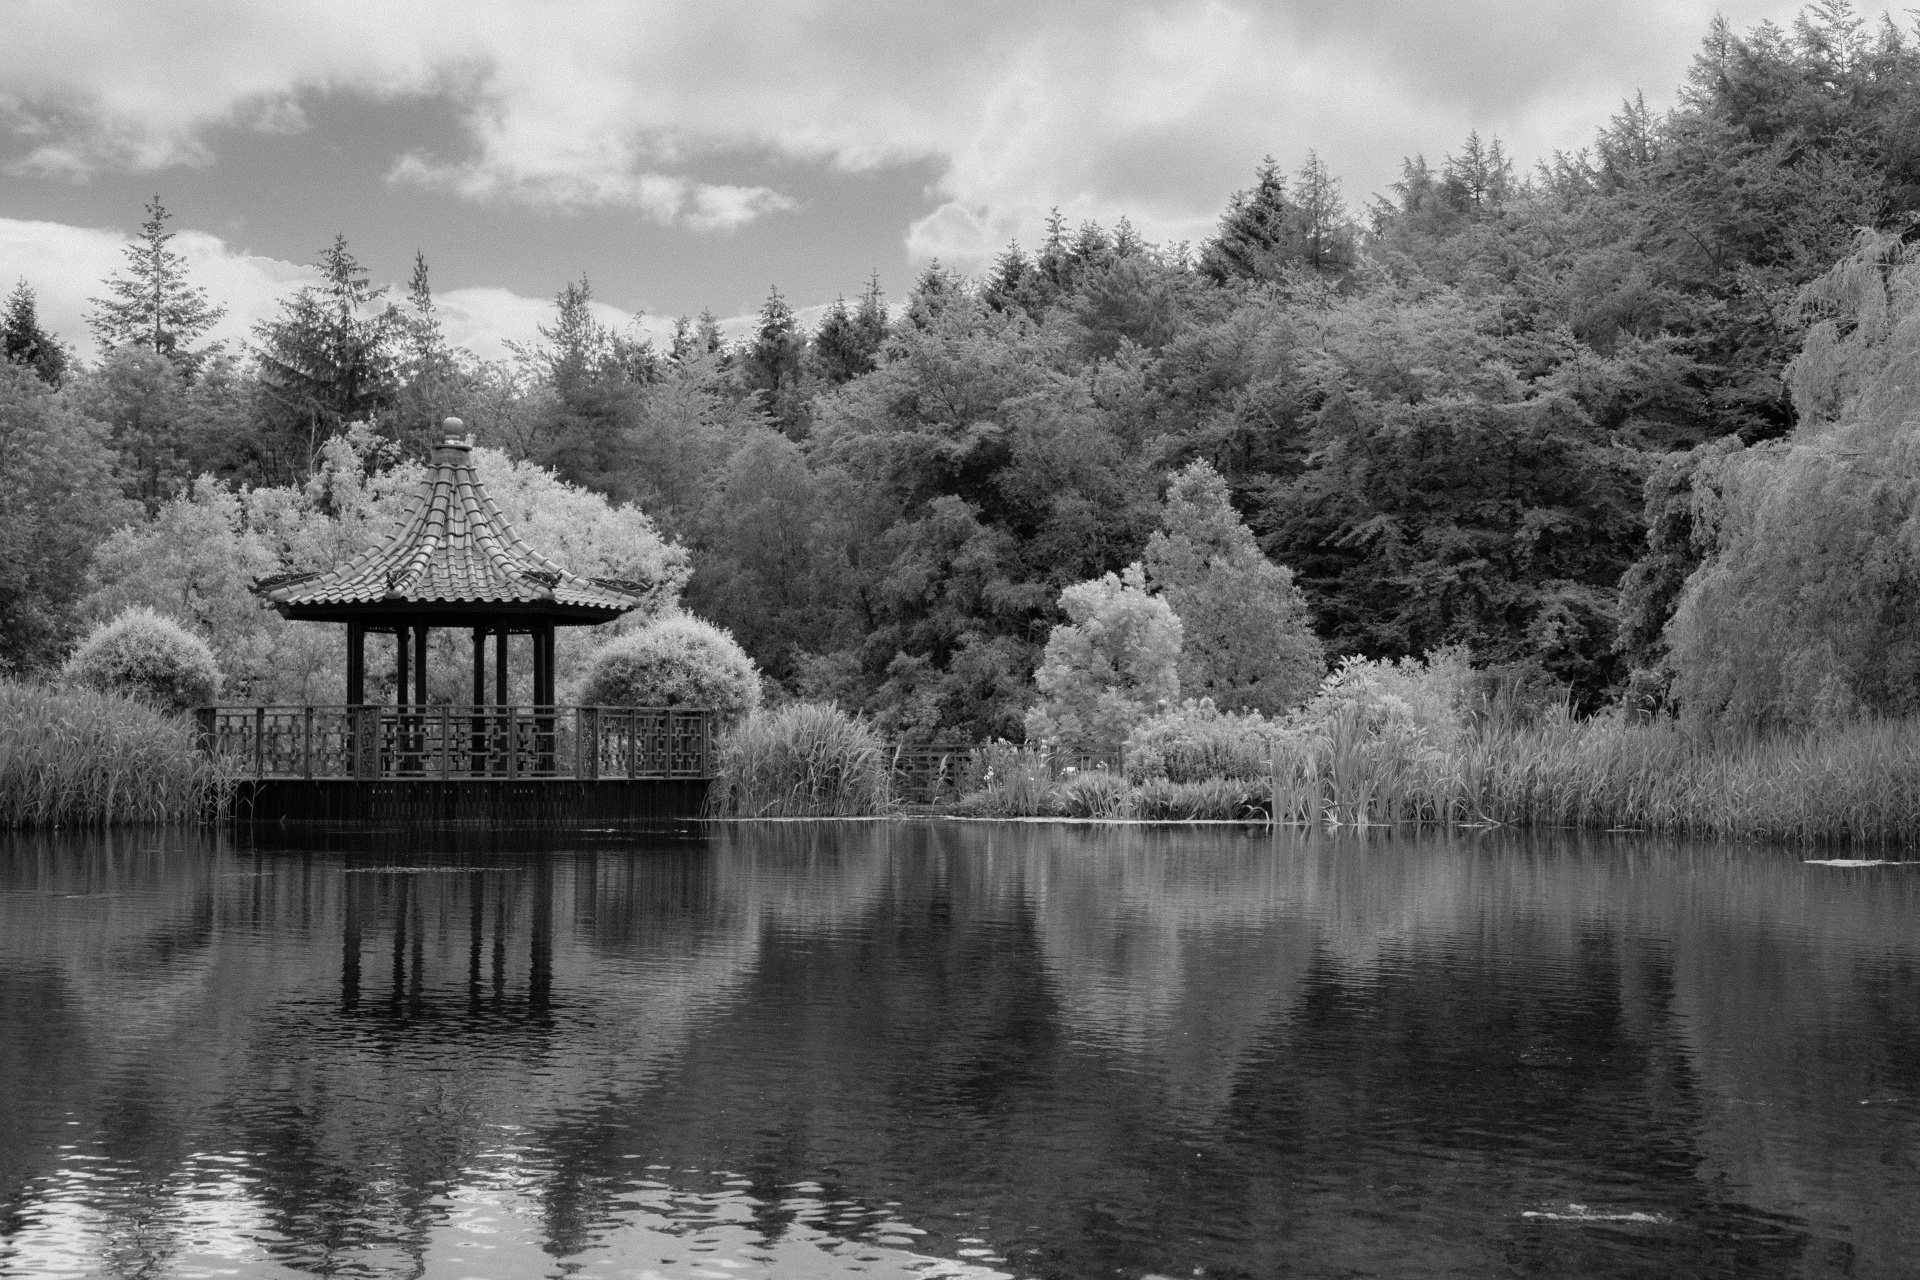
(938, 1049)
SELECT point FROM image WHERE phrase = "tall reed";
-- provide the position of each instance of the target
(805, 760)
(73, 757)
(1858, 782)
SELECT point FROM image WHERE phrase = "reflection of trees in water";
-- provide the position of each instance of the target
(1163, 950)
(1139, 1036)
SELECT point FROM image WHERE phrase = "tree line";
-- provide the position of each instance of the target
(1499, 409)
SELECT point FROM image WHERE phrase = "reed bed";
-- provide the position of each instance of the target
(76, 758)
(804, 760)
(1856, 783)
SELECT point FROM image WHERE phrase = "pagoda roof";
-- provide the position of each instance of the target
(455, 559)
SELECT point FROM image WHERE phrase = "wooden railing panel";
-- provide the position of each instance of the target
(457, 742)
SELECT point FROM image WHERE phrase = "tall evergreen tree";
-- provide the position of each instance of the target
(152, 305)
(847, 343)
(1257, 232)
(772, 363)
(23, 341)
(329, 358)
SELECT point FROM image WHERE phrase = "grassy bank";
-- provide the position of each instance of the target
(76, 758)
(1856, 783)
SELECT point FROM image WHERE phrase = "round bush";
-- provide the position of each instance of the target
(678, 661)
(147, 656)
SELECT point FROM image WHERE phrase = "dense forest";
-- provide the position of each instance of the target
(1628, 423)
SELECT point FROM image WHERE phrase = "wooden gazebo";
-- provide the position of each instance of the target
(456, 562)
(453, 562)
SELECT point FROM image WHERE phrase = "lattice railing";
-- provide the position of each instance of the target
(459, 742)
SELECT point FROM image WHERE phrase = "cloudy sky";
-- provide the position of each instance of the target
(688, 156)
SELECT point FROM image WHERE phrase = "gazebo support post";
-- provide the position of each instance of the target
(356, 664)
(542, 637)
(479, 748)
(505, 725)
(418, 727)
(420, 664)
(400, 666)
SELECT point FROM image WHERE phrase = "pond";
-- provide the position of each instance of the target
(954, 1049)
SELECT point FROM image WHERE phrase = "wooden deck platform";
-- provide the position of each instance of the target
(489, 802)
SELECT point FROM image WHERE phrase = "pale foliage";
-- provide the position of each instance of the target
(196, 559)
(1196, 741)
(148, 657)
(676, 661)
(1109, 666)
(1246, 641)
(1801, 611)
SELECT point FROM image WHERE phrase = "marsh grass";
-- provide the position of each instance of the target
(1858, 782)
(804, 760)
(1008, 780)
(77, 758)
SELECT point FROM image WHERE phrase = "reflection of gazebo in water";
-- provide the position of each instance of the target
(455, 562)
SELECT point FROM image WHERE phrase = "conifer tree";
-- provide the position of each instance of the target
(23, 341)
(1256, 232)
(152, 305)
(847, 343)
(329, 358)
(1248, 641)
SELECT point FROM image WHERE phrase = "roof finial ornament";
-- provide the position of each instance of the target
(453, 431)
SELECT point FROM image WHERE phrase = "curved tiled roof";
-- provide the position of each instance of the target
(454, 553)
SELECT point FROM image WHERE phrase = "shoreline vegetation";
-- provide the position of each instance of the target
(1359, 755)
(78, 758)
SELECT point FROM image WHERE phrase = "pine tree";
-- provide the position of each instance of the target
(871, 316)
(152, 305)
(771, 365)
(1259, 232)
(578, 349)
(835, 348)
(847, 343)
(329, 358)
(1327, 242)
(773, 360)
(1480, 179)
(23, 341)
(428, 367)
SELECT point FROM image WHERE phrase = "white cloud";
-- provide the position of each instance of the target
(1156, 108)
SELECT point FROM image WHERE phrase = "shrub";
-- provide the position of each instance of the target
(1108, 666)
(1195, 741)
(148, 656)
(1214, 798)
(74, 757)
(807, 759)
(676, 661)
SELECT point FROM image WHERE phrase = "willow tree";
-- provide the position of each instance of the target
(1802, 611)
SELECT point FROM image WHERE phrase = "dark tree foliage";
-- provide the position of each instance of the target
(847, 343)
(24, 342)
(1484, 416)
(328, 359)
(772, 366)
